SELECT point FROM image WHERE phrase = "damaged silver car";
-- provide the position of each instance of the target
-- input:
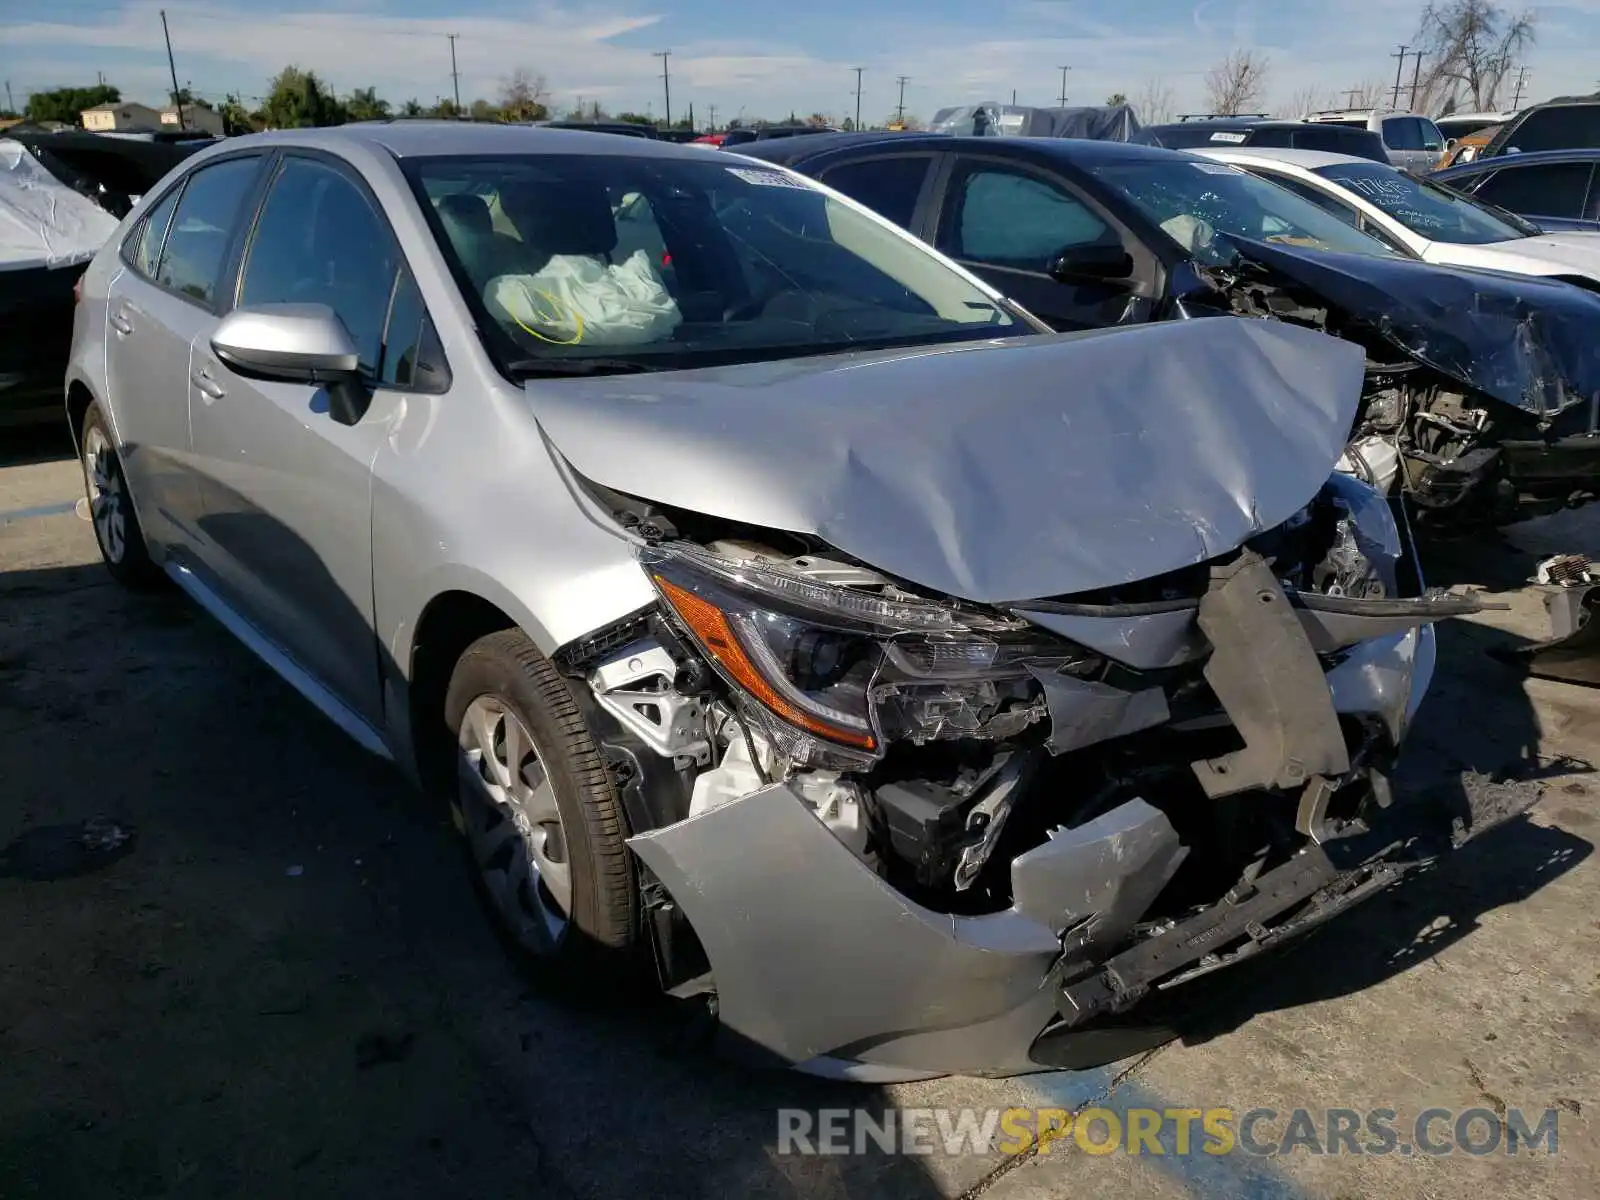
(777, 606)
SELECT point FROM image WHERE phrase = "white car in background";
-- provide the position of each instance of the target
(1422, 219)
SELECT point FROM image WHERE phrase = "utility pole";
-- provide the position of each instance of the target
(711, 118)
(177, 100)
(1516, 99)
(1350, 97)
(11, 105)
(1013, 97)
(858, 71)
(691, 116)
(1416, 78)
(666, 81)
(455, 75)
(1064, 71)
(900, 106)
(1394, 100)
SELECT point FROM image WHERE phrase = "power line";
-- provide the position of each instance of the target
(177, 99)
(666, 81)
(1394, 100)
(1516, 99)
(455, 75)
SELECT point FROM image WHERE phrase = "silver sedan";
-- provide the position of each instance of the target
(785, 616)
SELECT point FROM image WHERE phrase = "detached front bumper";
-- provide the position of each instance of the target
(821, 963)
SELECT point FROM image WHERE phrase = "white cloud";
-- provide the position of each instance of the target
(597, 52)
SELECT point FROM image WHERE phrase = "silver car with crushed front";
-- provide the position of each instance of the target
(784, 613)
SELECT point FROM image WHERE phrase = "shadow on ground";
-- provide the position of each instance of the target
(287, 988)
(27, 444)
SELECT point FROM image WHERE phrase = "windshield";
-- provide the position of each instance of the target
(644, 262)
(1435, 212)
(1194, 200)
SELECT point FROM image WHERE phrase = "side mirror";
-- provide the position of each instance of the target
(1098, 261)
(295, 343)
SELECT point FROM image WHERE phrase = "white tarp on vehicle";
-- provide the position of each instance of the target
(44, 223)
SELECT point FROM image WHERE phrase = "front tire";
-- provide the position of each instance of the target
(116, 525)
(535, 804)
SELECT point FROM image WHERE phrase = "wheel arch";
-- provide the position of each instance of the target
(450, 622)
(79, 398)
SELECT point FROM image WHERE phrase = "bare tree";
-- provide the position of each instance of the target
(1152, 103)
(1468, 48)
(1304, 101)
(523, 95)
(1236, 83)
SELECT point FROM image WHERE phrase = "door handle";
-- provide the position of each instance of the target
(120, 323)
(202, 379)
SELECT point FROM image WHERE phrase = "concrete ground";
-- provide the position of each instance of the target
(287, 987)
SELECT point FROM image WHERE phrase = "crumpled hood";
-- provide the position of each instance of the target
(1526, 341)
(996, 471)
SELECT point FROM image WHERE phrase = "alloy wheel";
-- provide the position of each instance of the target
(108, 495)
(512, 825)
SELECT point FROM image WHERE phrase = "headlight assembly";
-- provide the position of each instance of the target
(834, 673)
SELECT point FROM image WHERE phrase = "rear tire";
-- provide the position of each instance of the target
(111, 512)
(534, 802)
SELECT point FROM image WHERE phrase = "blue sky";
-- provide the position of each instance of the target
(763, 61)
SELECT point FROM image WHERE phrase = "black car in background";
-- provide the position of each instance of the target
(767, 133)
(1244, 131)
(1566, 124)
(1477, 403)
(1555, 189)
(36, 297)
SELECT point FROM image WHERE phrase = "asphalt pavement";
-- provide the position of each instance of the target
(282, 984)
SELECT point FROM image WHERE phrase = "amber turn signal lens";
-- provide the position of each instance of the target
(710, 628)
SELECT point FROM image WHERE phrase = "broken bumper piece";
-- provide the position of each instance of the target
(819, 962)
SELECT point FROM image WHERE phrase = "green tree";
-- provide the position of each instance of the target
(412, 108)
(64, 104)
(446, 110)
(364, 104)
(1116, 99)
(633, 118)
(482, 110)
(236, 119)
(297, 99)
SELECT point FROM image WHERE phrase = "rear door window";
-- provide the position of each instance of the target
(144, 247)
(1402, 133)
(1547, 189)
(1432, 139)
(202, 227)
(1564, 127)
(889, 186)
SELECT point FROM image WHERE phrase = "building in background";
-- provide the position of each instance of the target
(123, 115)
(195, 118)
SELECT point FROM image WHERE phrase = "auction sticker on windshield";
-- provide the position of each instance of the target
(1236, 138)
(1216, 168)
(769, 178)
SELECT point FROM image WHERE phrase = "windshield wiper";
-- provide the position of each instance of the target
(533, 368)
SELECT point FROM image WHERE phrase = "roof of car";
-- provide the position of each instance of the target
(1532, 157)
(1239, 123)
(1080, 151)
(1309, 159)
(414, 138)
